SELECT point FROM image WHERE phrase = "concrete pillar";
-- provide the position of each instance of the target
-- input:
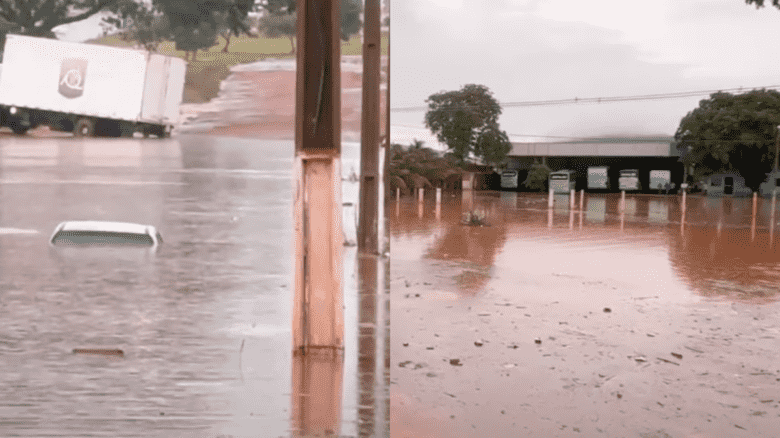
(318, 320)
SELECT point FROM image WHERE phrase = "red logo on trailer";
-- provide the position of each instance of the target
(72, 75)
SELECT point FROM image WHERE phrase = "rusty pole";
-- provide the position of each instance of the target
(318, 320)
(369, 131)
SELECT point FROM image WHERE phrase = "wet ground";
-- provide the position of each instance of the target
(559, 323)
(204, 324)
(258, 100)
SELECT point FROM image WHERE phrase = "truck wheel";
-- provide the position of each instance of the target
(84, 128)
(158, 131)
(126, 130)
(18, 129)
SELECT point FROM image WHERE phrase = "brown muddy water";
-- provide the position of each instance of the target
(203, 324)
(561, 322)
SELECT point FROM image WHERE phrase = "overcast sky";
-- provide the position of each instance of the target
(527, 50)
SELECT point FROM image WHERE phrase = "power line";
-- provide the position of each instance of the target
(646, 139)
(574, 101)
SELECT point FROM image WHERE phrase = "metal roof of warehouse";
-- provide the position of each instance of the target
(600, 147)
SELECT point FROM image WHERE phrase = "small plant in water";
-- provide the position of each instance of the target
(475, 218)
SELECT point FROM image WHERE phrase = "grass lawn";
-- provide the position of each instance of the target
(212, 66)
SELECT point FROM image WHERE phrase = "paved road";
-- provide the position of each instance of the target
(204, 324)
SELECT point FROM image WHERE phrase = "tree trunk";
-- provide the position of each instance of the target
(227, 41)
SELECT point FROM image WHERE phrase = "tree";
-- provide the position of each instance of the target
(466, 121)
(149, 29)
(278, 26)
(537, 177)
(760, 3)
(280, 18)
(196, 23)
(732, 133)
(190, 21)
(40, 17)
(419, 166)
(227, 32)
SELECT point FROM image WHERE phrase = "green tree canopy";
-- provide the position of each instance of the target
(760, 3)
(466, 120)
(149, 29)
(538, 177)
(192, 22)
(280, 17)
(732, 133)
(416, 160)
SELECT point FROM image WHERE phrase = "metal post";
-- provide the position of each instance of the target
(369, 131)
(622, 200)
(438, 203)
(420, 194)
(777, 148)
(550, 199)
(753, 223)
(682, 217)
(622, 220)
(572, 196)
(318, 319)
(582, 198)
(772, 220)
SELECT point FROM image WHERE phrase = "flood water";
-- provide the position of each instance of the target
(718, 253)
(204, 323)
(592, 322)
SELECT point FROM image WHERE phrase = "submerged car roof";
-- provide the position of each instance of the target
(106, 227)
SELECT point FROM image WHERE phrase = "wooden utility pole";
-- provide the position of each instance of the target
(318, 319)
(388, 155)
(369, 131)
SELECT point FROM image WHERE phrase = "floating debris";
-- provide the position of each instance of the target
(101, 351)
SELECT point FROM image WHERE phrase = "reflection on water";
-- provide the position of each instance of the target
(316, 407)
(721, 250)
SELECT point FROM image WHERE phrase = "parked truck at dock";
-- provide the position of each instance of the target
(88, 89)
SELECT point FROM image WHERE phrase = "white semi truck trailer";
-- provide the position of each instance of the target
(88, 89)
